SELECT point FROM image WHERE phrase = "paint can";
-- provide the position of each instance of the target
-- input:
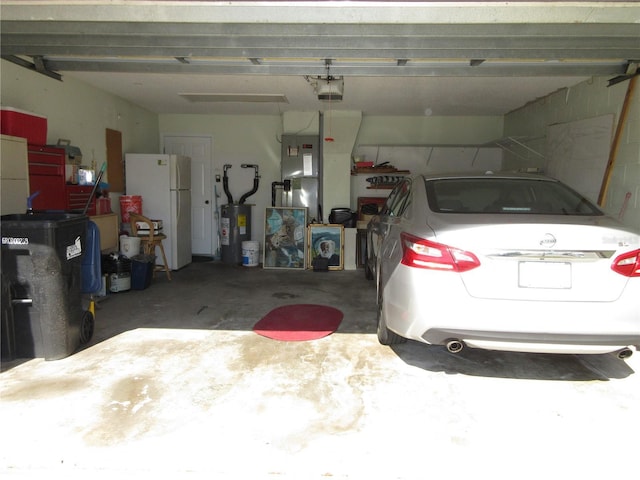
(250, 253)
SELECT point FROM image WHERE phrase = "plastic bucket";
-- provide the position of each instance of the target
(130, 204)
(129, 246)
(250, 253)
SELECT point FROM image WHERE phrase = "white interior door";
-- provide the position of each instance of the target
(199, 148)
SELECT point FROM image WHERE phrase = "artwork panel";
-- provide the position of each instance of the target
(285, 238)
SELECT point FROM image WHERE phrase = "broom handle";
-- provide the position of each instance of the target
(95, 187)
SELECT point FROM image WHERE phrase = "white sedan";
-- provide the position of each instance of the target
(503, 262)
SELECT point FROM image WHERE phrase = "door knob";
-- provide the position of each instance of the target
(206, 202)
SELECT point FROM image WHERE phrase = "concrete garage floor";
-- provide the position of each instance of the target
(176, 385)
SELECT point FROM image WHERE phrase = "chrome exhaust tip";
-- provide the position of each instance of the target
(454, 346)
(625, 353)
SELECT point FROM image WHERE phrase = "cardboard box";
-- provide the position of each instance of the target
(20, 123)
(108, 226)
(103, 205)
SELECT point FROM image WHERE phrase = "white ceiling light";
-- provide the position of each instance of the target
(235, 97)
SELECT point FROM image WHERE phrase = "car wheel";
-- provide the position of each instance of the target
(386, 336)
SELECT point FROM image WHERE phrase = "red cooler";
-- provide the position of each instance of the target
(19, 123)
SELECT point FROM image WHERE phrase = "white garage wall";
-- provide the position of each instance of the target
(238, 139)
(584, 101)
(435, 159)
(423, 160)
(577, 153)
(394, 130)
(79, 112)
(256, 139)
(344, 128)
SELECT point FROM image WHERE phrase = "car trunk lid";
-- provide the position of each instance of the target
(523, 260)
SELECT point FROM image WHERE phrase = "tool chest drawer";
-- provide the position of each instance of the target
(77, 197)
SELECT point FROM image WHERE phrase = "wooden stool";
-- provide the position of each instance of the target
(150, 242)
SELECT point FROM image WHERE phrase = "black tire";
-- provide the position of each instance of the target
(87, 326)
(7, 330)
(386, 336)
(368, 273)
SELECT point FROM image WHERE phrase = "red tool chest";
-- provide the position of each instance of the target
(47, 175)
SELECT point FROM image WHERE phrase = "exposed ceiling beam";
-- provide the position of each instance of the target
(633, 70)
(319, 52)
(431, 42)
(556, 41)
(100, 26)
(325, 12)
(461, 68)
(283, 41)
(37, 65)
(513, 40)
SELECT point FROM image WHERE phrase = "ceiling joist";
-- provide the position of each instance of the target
(525, 49)
(37, 64)
(306, 67)
(141, 51)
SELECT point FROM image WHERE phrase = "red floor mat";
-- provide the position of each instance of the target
(294, 323)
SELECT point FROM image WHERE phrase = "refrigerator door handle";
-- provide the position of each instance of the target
(178, 182)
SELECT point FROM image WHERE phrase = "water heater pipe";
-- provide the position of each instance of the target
(256, 182)
(286, 186)
(225, 184)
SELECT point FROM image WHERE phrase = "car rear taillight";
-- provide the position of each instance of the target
(627, 264)
(420, 253)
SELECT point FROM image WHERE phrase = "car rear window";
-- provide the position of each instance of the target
(506, 195)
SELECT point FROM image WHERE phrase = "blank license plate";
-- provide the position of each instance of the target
(544, 275)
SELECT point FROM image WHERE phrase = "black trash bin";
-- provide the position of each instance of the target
(42, 277)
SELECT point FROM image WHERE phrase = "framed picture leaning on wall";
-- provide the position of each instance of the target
(285, 237)
(326, 242)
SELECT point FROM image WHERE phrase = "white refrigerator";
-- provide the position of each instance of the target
(164, 183)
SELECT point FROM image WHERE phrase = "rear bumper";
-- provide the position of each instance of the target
(423, 306)
(534, 342)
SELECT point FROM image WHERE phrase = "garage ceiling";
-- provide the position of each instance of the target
(396, 58)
